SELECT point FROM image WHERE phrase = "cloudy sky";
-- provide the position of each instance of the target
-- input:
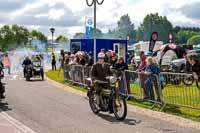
(68, 16)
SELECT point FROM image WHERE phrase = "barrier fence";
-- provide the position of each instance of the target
(177, 89)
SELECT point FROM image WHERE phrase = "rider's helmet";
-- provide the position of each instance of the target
(101, 55)
(27, 58)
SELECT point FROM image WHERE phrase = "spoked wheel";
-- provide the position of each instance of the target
(119, 107)
(92, 102)
(188, 80)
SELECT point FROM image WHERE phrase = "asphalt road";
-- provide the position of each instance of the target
(47, 109)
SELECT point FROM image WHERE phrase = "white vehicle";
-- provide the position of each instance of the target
(144, 46)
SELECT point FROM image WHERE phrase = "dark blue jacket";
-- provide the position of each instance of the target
(153, 69)
(27, 62)
(122, 66)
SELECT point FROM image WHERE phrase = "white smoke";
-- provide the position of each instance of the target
(18, 55)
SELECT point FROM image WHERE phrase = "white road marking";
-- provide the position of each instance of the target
(23, 128)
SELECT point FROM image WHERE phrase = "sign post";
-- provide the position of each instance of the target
(95, 3)
(89, 24)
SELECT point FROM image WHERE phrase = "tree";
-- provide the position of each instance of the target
(125, 28)
(154, 22)
(183, 36)
(39, 35)
(195, 40)
(79, 35)
(21, 34)
(7, 38)
(61, 39)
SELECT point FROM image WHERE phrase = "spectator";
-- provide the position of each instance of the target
(108, 56)
(82, 61)
(121, 65)
(53, 62)
(90, 59)
(72, 60)
(6, 62)
(152, 69)
(113, 60)
(141, 68)
(194, 61)
(66, 59)
(103, 50)
(62, 59)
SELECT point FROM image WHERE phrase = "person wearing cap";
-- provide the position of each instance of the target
(100, 71)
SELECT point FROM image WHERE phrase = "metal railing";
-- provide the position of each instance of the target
(177, 89)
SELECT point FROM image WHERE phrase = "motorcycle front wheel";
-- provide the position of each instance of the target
(120, 107)
(92, 102)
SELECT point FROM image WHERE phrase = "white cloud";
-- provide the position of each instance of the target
(68, 16)
(55, 14)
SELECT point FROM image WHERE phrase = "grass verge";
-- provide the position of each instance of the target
(179, 111)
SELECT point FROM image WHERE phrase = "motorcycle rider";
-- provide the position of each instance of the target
(26, 63)
(100, 71)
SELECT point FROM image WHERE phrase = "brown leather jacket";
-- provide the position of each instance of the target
(99, 72)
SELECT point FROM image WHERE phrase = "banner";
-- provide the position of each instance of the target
(89, 24)
(153, 39)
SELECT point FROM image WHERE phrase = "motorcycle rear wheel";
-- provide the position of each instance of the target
(27, 77)
(120, 107)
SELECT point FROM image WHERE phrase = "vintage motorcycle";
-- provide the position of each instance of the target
(109, 99)
(34, 70)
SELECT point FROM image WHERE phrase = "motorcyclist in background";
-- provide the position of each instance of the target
(26, 63)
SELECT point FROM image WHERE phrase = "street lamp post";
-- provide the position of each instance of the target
(94, 2)
(52, 32)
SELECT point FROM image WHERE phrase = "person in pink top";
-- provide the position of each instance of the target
(6, 62)
(141, 68)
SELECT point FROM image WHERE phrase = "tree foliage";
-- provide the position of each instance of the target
(62, 39)
(79, 35)
(38, 35)
(154, 23)
(183, 35)
(17, 36)
(195, 40)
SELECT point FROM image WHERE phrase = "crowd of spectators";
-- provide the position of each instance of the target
(86, 59)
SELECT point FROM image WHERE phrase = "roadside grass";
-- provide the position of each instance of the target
(168, 93)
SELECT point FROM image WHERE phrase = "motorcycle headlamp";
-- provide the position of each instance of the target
(112, 79)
